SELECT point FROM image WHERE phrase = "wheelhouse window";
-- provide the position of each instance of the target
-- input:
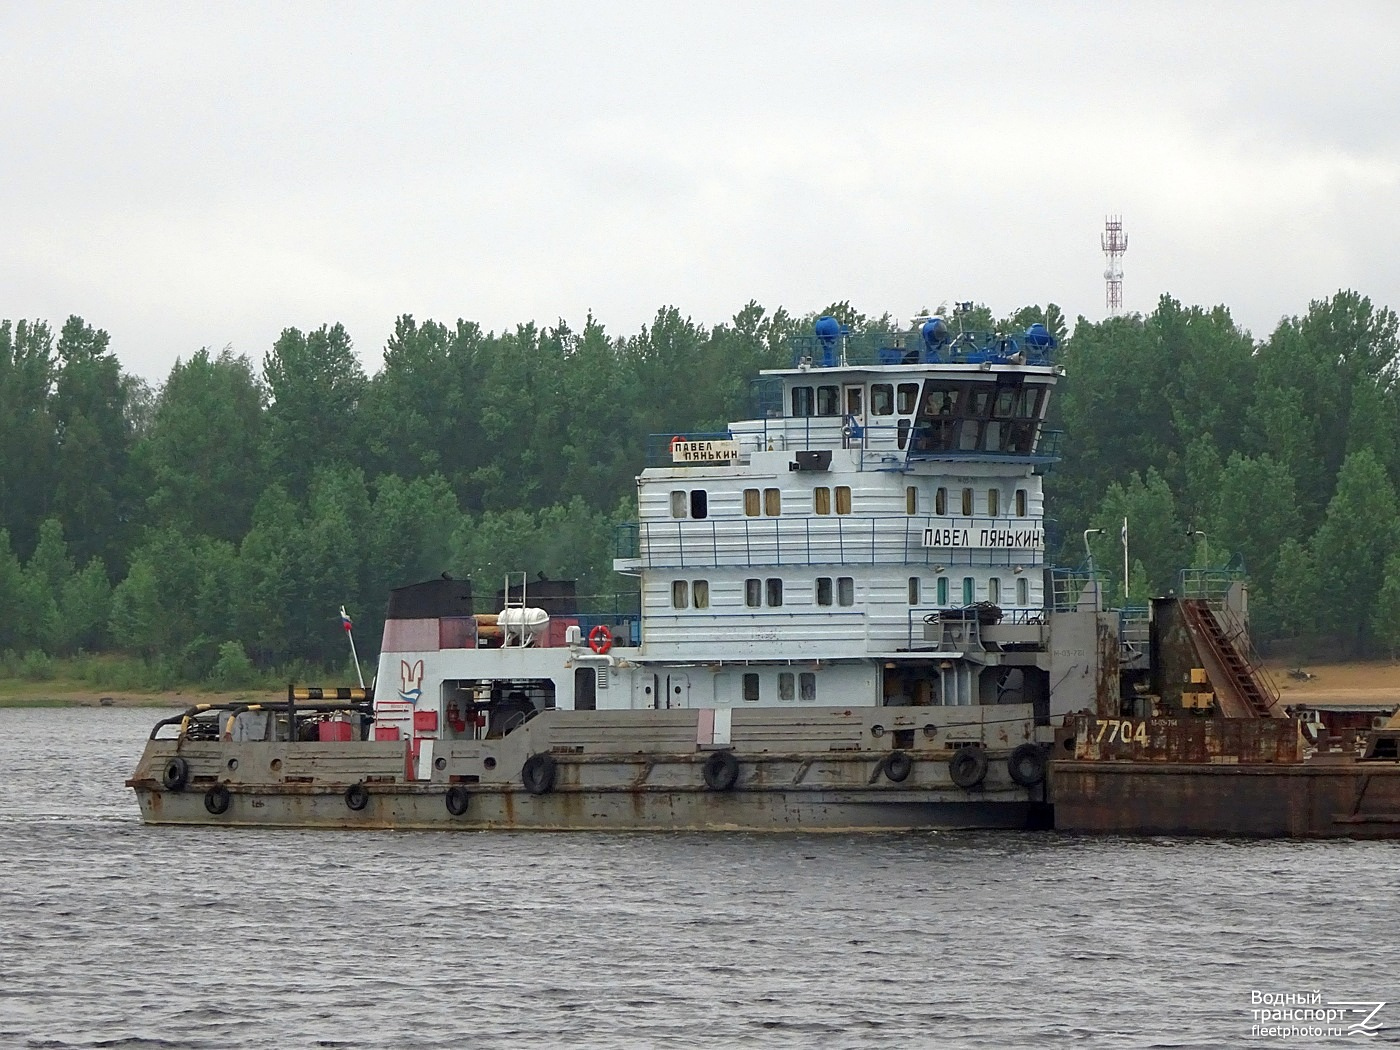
(751, 503)
(824, 590)
(882, 399)
(772, 502)
(845, 590)
(680, 594)
(843, 499)
(821, 500)
(828, 401)
(803, 401)
(751, 687)
(773, 590)
(753, 593)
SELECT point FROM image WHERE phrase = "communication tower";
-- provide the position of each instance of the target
(1115, 243)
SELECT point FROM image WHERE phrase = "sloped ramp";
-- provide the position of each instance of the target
(1243, 688)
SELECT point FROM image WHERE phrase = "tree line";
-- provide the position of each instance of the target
(228, 513)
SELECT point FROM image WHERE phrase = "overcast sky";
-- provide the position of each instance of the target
(188, 175)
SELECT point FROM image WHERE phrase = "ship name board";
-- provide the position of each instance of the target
(1016, 539)
(704, 451)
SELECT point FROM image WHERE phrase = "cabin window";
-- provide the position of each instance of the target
(941, 400)
(680, 594)
(911, 499)
(913, 590)
(803, 402)
(845, 590)
(821, 500)
(699, 503)
(969, 590)
(994, 590)
(772, 502)
(940, 501)
(881, 399)
(700, 594)
(943, 591)
(786, 682)
(967, 503)
(993, 502)
(1006, 402)
(855, 400)
(774, 590)
(828, 401)
(1023, 592)
(585, 689)
(1027, 402)
(751, 687)
(978, 402)
(751, 503)
(823, 590)
(753, 593)
(807, 687)
(907, 398)
(680, 500)
(843, 499)
(1021, 503)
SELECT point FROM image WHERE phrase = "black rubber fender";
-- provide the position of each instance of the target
(457, 800)
(898, 766)
(538, 773)
(968, 767)
(176, 774)
(357, 797)
(721, 771)
(217, 799)
(1026, 765)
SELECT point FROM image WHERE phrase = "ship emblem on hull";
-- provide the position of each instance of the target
(411, 675)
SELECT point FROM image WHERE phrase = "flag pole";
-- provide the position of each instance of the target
(345, 622)
(1125, 561)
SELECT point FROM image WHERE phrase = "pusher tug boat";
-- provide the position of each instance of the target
(843, 625)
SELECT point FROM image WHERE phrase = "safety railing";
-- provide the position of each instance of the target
(837, 539)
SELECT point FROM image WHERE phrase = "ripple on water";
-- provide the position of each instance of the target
(113, 934)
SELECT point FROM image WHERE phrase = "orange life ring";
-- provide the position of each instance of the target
(600, 639)
(674, 442)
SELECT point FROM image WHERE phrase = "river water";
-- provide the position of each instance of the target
(114, 934)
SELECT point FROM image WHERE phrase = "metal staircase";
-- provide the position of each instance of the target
(1243, 688)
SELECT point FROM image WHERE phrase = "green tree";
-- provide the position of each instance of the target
(94, 439)
(1352, 543)
(27, 435)
(204, 446)
(315, 383)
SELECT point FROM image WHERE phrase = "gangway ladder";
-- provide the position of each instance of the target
(1224, 638)
(512, 603)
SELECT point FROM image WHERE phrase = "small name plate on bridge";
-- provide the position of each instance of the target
(704, 451)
